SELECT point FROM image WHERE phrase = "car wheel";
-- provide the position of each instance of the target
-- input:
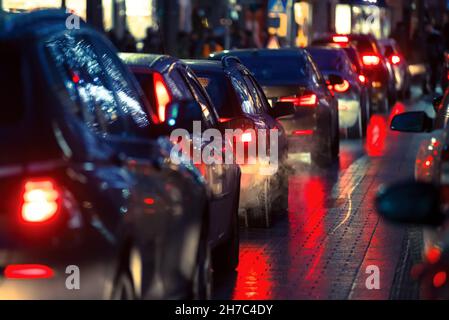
(260, 217)
(356, 131)
(226, 256)
(124, 287)
(202, 279)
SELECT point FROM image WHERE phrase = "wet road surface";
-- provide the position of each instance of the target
(322, 248)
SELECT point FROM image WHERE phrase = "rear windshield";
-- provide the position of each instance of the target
(270, 70)
(328, 60)
(364, 45)
(11, 86)
(220, 92)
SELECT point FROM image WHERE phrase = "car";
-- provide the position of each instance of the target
(166, 80)
(92, 205)
(290, 75)
(241, 104)
(397, 60)
(352, 94)
(422, 204)
(377, 68)
(431, 181)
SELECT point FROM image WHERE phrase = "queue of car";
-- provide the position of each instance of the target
(90, 181)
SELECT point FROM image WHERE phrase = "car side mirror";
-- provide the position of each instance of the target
(410, 202)
(334, 79)
(417, 121)
(437, 102)
(282, 109)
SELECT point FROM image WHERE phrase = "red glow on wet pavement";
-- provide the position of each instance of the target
(376, 136)
(252, 279)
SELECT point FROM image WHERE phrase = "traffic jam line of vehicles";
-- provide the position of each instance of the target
(89, 179)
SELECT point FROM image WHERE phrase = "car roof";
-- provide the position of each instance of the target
(35, 23)
(204, 65)
(259, 52)
(158, 62)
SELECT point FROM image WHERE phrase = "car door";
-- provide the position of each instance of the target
(221, 178)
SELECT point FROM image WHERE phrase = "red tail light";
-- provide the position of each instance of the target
(340, 39)
(343, 87)
(362, 79)
(395, 59)
(371, 60)
(163, 97)
(306, 100)
(28, 271)
(40, 201)
(303, 132)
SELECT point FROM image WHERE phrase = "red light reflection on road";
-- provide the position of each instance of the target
(376, 136)
(309, 209)
(397, 109)
(253, 279)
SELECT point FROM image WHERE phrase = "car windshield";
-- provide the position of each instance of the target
(11, 85)
(270, 70)
(220, 92)
(328, 59)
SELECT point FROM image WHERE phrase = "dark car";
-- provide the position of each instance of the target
(422, 204)
(92, 206)
(400, 66)
(290, 75)
(241, 104)
(167, 80)
(377, 68)
(352, 94)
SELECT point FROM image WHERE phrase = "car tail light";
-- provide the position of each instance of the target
(362, 79)
(41, 201)
(308, 99)
(340, 39)
(163, 97)
(371, 60)
(28, 271)
(303, 132)
(395, 59)
(343, 87)
(439, 279)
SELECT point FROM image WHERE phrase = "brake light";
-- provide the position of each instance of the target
(395, 59)
(370, 60)
(439, 279)
(40, 201)
(28, 271)
(306, 100)
(343, 87)
(340, 39)
(362, 79)
(303, 132)
(163, 97)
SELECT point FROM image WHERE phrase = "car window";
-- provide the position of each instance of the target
(246, 100)
(221, 92)
(127, 93)
(178, 85)
(78, 66)
(202, 98)
(270, 70)
(258, 105)
(264, 105)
